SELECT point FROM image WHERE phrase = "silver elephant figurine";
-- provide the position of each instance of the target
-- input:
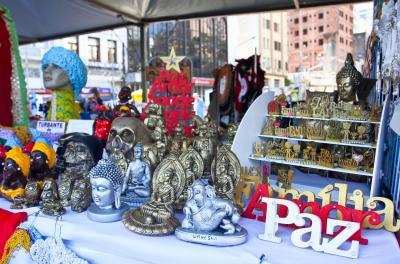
(205, 212)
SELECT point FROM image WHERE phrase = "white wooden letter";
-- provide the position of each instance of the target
(273, 220)
(332, 246)
(315, 229)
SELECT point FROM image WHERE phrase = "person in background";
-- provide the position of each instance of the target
(94, 101)
(199, 105)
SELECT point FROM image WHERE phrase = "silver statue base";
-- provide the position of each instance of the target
(133, 200)
(106, 216)
(214, 238)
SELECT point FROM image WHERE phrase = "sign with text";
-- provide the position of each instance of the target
(52, 130)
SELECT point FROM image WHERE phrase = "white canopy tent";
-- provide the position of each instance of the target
(40, 20)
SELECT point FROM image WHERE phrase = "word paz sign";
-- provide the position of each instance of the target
(171, 90)
(314, 229)
(52, 130)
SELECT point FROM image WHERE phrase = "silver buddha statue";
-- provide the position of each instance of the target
(136, 187)
(210, 220)
(106, 180)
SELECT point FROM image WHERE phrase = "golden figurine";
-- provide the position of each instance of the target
(326, 158)
(180, 142)
(281, 132)
(333, 133)
(375, 114)
(346, 132)
(357, 113)
(288, 111)
(285, 179)
(349, 164)
(194, 167)
(288, 151)
(361, 133)
(227, 168)
(296, 150)
(368, 161)
(275, 150)
(296, 131)
(315, 132)
(257, 150)
(269, 127)
(303, 109)
(156, 217)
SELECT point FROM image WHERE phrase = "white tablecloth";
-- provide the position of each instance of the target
(112, 243)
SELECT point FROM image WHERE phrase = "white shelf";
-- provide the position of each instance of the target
(327, 119)
(321, 141)
(315, 183)
(312, 166)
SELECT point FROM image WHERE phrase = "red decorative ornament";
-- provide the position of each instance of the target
(2, 152)
(102, 129)
(28, 147)
(172, 91)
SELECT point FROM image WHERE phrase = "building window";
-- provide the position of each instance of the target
(286, 66)
(346, 17)
(73, 44)
(279, 65)
(341, 40)
(351, 19)
(296, 21)
(321, 15)
(305, 44)
(296, 33)
(320, 42)
(94, 49)
(341, 13)
(305, 31)
(341, 26)
(264, 43)
(351, 43)
(112, 51)
(267, 24)
(347, 42)
(305, 19)
(276, 27)
(296, 45)
(346, 29)
(321, 28)
(277, 45)
(276, 83)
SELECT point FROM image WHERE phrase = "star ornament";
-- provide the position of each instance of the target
(172, 61)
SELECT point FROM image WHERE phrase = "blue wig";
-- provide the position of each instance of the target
(72, 65)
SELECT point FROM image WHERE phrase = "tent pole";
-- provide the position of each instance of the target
(143, 59)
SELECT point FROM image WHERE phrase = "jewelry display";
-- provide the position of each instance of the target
(156, 217)
(106, 180)
(210, 220)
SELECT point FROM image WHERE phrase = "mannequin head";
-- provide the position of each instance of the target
(62, 67)
(106, 180)
(54, 77)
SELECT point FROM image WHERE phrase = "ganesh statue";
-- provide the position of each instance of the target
(210, 220)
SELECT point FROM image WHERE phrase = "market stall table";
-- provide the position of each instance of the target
(106, 242)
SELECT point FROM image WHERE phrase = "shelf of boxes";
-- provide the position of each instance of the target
(361, 145)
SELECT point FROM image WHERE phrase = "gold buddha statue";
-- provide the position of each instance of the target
(156, 217)
(352, 87)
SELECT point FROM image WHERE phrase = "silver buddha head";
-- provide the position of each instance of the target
(106, 180)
